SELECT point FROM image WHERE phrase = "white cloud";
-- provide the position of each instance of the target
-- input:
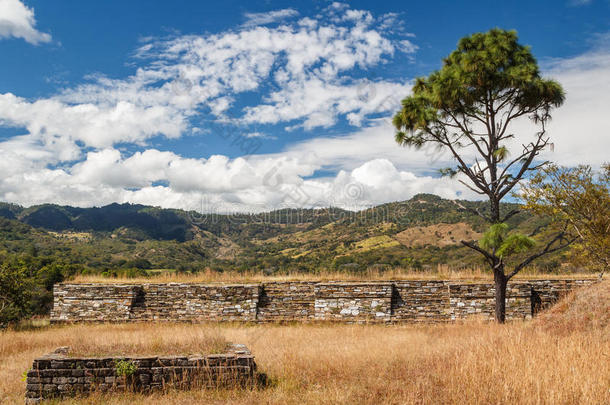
(269, 17)
(17, 20)
(370, 168)
(306, 64)
(580, 129)
(350, 150)
(408, 47)
(379, 181)
(220, 183)
(580, 2)
(259, 135)
(300, 70)
(319, 103)
(95, 124)
(68, 152)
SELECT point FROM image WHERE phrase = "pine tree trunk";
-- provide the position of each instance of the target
(500, 287)
(495, 211)
(498, 269)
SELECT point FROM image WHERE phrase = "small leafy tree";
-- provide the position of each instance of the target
(498, 240)
(14, 294)
(581, 198)
(468, 108)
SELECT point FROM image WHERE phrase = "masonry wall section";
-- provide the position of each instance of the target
(353, 302)
(420, 301)
(389, 301)
(58, 375)
(287, 301)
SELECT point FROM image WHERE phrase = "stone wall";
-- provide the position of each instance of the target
(58, 375)
(546, 292)
(93, 302)
(389, 301)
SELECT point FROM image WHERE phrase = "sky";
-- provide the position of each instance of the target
(252, 106)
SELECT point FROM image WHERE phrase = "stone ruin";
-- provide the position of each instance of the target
(302, 301)
(58, 375)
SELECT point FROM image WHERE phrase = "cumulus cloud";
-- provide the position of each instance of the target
(70, 149)
(307, 62)
(319, 103)
(95, 124)
(578, 130)
(17, 20)
(348, 151)
(216, 184)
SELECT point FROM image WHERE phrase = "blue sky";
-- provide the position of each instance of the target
(235, 106)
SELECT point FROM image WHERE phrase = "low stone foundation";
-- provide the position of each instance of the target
(58, 375)
(386, 301)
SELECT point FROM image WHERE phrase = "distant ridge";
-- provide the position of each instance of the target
(118, 236)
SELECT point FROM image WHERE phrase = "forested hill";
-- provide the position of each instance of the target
(417, 233)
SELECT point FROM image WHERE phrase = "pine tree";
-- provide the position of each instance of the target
(468, 107)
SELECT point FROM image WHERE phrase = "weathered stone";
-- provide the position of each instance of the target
(60, 380)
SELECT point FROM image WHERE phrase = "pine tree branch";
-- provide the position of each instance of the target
(510, 215)
(466, 170)
(536, 148)
(468, 134)
(473, 210)
(491, 259)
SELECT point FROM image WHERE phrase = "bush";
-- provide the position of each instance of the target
(125, 368)
(15, 292)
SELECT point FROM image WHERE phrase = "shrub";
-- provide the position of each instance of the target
(125, 368)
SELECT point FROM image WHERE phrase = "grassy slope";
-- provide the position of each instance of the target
(581, 310)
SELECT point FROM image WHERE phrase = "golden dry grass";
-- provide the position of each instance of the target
(140, 340)
(540, 362)
(581, 310)
(442, 272)
(318, 364)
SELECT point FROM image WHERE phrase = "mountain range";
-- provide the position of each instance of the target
(419, 233)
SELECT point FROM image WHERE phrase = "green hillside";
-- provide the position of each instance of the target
(419, 234)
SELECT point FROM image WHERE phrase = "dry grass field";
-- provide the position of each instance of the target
(562, 357)
(442, 272)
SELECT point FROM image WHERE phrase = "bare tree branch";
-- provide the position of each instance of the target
(547, 249)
